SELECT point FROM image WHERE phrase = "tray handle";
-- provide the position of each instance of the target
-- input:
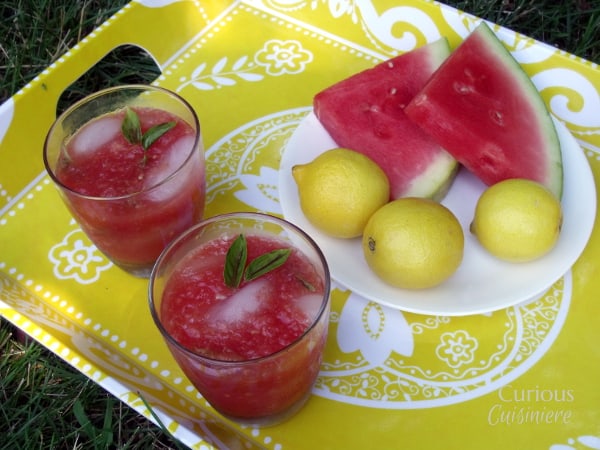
(159, 27)
(160, 30)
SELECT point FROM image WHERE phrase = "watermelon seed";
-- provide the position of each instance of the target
(462, 88)
(497, 117)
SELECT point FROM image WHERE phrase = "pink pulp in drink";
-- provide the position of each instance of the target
(258, 319)
(118, 191)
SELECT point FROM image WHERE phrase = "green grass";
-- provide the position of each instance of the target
(44, 403)
(572, 25)
(39, 31)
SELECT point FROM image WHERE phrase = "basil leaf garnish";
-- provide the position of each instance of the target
(151, 135)
(267, 262)
(235, 262)
(131, 127)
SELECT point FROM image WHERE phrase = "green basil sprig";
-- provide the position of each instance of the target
(132, 130)
(235, 262)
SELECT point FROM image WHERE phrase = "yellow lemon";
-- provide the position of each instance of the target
(413, 243)
(517, 220)
(339, 190)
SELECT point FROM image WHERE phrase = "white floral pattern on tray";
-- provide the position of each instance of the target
(75, 257)
(584, 442)
(245, 161)
(397, 360)
(276, 58)
(390, 359)
(379, 362)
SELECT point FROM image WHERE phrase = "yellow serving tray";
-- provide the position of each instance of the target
(522, 377)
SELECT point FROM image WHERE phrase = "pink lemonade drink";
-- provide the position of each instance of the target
(253, 350)
(129, 164)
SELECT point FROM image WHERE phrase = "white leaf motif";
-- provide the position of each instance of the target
(218, 76)
(202, 86)
(198, 70)
(590, 441)
(219, 65)
(225, 81)
(240, 63)
(250, 76)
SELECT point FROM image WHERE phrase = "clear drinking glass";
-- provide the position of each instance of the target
(253, 351)
(130, 194)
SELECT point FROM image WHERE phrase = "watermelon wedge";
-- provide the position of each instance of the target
(365, 113)
(483, 109)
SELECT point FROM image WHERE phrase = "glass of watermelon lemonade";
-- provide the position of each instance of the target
(252, 349)
(129, 164)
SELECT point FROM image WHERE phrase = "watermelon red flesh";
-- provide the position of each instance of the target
(365, 113)
(483, 109)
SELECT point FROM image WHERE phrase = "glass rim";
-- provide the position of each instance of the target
(217, 218)
(100, 93)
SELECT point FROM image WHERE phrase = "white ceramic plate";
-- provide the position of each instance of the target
(482, 283)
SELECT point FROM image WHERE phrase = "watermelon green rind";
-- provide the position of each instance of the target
(483, 108)
(365, 113)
